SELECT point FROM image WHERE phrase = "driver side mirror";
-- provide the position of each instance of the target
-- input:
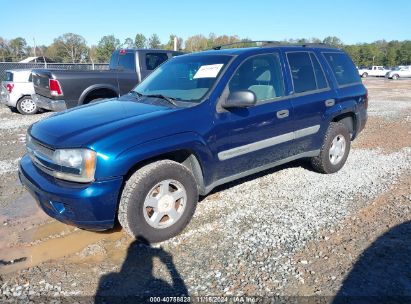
(240, 99)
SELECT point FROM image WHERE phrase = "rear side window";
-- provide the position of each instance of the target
(319, 73)
(126, 61)
(343, 68)
(302, 72)
(9, 76)
(153, 60)
(260, 74)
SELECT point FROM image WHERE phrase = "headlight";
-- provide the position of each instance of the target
(77, 165)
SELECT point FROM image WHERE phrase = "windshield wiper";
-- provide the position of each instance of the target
(169, 99)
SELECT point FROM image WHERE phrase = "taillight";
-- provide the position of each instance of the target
(122, 52)
(55, 89)
(366, 99)
(10, 87)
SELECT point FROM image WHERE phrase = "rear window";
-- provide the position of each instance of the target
(153, 60)
(126, 62)
(9, 76)
(343, 68)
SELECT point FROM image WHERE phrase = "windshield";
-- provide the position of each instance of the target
(185, 78)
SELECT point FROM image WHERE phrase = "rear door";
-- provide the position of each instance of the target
(260, 135)
(311, 95)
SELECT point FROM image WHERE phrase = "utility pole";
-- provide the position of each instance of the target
(175, 43)
(34, 47)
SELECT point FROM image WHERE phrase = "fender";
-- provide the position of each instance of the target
(128, 159)
(96, 87)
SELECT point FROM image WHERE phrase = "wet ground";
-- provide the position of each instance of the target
(39, 251)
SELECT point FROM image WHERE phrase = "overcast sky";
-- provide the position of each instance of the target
(351, 20)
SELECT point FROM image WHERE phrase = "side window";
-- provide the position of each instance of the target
(127, 62)
(302, 72)
(260, 74)
(343, 68)
(153, 60)
(319, 73)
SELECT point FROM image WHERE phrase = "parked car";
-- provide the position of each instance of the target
(399, 72)
(198, 121)
(375, 70)
(58, 90)
(16, 91)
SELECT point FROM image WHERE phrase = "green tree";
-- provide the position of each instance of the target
(333, 41)
(154, 42)
(128, 43)
(69, 47)
(4, 50)
(170, 43)
(18, 48)
(140, 41)
(106, 47)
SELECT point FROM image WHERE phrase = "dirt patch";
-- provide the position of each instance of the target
(384, 134)
(325, 265)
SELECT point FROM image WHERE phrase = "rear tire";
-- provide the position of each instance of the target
(396, 77)
(334, 151)
(364, 75)
(27, 106)
(158, 201)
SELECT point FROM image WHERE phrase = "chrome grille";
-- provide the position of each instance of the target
(41, 155)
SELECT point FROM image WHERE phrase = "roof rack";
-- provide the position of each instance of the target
(268, 43)
(263, 42)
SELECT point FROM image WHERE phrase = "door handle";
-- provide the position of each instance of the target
(329, 102)
(283, 114)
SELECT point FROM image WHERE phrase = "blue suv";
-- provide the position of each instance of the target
(198, 121)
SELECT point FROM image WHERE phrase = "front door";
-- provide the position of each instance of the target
(255, 137)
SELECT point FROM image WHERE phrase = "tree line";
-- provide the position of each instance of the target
(72, 48)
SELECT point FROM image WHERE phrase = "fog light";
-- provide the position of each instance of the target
(59, 207)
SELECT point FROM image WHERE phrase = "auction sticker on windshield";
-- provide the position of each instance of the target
(208, 71)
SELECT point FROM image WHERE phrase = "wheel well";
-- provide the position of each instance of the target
(347, 119)
(185, 157)
(99, 93)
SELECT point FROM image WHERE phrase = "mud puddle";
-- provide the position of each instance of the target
(28, 237)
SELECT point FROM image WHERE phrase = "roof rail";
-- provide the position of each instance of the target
(267, 43)
(263, 42)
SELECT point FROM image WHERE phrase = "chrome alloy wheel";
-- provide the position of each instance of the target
(337, 149)
(165, 204)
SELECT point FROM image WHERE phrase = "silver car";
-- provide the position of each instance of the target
(16, 91)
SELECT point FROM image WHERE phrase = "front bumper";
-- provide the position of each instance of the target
(90, 206)
(48, 103)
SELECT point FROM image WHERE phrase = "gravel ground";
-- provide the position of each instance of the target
(257, 236)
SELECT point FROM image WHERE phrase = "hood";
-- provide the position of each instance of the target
(83, 125)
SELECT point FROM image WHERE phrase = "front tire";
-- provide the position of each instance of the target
(335, 149)
(158, 201)
(364, 75)
(395, 77)
(27, 106)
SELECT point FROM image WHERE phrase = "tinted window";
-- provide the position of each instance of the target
(114, 61)
(319, 73)
(9, 76)
(126, 61)
(302, 72)
(153, 60)
(343, 68)
(261, 75)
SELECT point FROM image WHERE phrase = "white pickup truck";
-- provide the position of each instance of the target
(375, 70)
(402, 71)
(16, 91)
